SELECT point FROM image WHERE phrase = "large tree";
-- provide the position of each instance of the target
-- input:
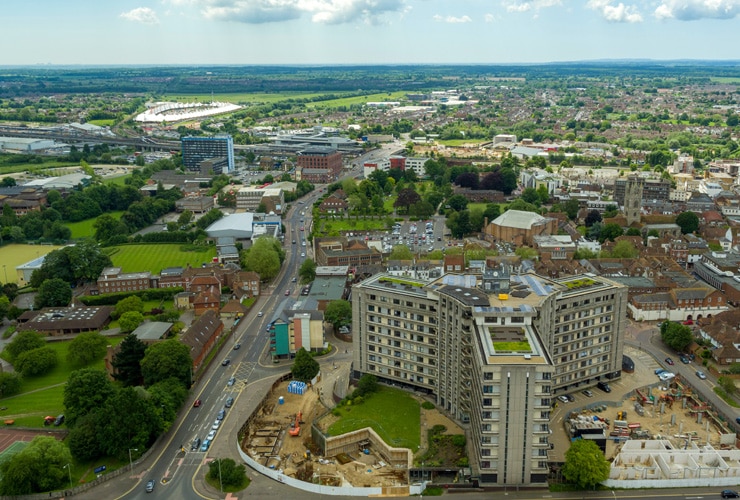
(610, 231)
(127, 362)
(406, 197)
(688, 221)
(37, 468)
(87, 390)
(53, 292)
(24, 341)
(338, 313)
(227, 472)
(128, 420)
(676, 336)
(36, 361)
(163, 360)
(585, 465)
(264, 257)
(307, 271)
(86, 348)
(74, 264)
(130, 321)
(304, 366)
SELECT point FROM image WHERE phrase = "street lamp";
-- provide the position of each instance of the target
(69, 470)
(130, 461)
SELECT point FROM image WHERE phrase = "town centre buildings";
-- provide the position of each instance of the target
(493, 351)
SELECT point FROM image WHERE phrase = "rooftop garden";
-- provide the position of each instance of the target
(401, 282)
(579, 283)
(506, 347)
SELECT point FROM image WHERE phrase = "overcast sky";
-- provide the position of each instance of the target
(364, 31)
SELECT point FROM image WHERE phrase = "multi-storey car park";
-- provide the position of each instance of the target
(492, 351)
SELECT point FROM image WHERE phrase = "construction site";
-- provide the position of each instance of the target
(658, 426)
(279, 436)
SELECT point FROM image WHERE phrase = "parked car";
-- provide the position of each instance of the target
(570, 397)
(658, 371)
(287, 292)
(205, 445)
(221, 414)
(195, 445)
(587, 393)
(666, 376)
(669, 361)
(216, 425)
(294, 279)
(701, 374)
(684, 359)
(237, 347)
(59, 420)
(150, 486)
(211, 436)
(563, 399)
(604, 387)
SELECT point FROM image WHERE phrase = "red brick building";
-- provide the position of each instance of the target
(319, 165)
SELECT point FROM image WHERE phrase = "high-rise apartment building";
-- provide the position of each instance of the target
(215, 154)
(487, 356)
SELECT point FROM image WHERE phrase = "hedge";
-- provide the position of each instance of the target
(111, 299)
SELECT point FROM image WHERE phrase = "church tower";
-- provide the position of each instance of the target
(633, 198)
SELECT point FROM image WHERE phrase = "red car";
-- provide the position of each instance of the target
(287, 292)
(196, 404)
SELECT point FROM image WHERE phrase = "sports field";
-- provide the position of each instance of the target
(158, 256)
(392, 413)
(12, 256)
(85, 229)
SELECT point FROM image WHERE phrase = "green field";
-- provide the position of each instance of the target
(44, 395)
(155, 257)
(242, 98)
(84, 228)
(362, 99)
(12, 256)
(392, 413)
(103, 122)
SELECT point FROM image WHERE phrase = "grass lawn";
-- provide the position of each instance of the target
(352, 224)
(242, 98)
(392, 413)
(157, 256)
(103, 122)
(85, 229)
(44, 395)
(14, 255)
(120, 180)
(362, 99)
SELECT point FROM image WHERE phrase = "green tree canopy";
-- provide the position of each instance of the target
(87, 347)
(307, 271)
(163, 360)
(338, 313)
(610, 231)
(676, 336)
(24, 341)
(53, 292)
(625, 250)
(37, 468)
(87, 390)
(132, 303)
(401, 252)
(36, 361)
(227, 472)
(304, 366)
(127, 362)
(10, 383)
(688, 221)
(127, 420)
(585, 465)
(264, 257)
(130, 321)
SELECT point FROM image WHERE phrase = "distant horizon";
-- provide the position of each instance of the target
(379, 64)
(364, 32)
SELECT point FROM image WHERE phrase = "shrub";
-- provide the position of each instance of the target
(427, 405)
